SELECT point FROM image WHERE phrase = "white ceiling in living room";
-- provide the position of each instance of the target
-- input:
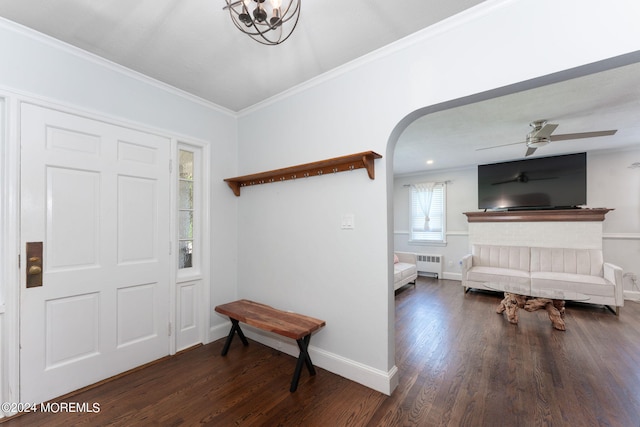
(450, 138)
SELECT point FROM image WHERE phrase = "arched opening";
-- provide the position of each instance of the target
(601, 71)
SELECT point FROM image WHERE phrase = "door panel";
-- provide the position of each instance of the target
(137, 223)
(136, 314)
(188, 325)
(73, 216)
(97, 196)
(71, 329)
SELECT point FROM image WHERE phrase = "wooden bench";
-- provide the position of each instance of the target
(291, 325)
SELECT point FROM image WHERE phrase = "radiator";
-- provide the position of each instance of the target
(429, 264)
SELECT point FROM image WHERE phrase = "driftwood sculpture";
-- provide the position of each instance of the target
(510, 305)
(512, 302)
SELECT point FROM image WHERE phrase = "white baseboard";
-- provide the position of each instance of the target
(632, 295)
(384, 382)
(445, 275)
(218, 331)
(452, 276)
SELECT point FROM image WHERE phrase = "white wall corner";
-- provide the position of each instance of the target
(218, 331)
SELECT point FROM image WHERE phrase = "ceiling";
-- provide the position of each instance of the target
(601, 101)
(192, 45)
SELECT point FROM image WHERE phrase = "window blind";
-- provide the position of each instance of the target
(427, 223)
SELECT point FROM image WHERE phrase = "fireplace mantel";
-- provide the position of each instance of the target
(566, 215)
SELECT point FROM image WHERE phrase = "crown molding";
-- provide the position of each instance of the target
(430, 32)
(112, 66)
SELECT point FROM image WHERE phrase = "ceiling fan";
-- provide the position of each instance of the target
(541, 135)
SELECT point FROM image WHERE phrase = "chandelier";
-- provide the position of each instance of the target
(267, 22)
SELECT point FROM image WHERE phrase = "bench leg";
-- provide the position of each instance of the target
(235, 327)
(303, 358)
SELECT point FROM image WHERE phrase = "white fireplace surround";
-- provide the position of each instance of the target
(536, 229)
(574, 235)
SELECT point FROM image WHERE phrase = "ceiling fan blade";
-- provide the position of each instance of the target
(566, 136)
(545, 132)
(497, 146)
(505, 182)
(530, 151)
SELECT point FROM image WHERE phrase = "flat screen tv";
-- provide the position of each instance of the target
(556, 182)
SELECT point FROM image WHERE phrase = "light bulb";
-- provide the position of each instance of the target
(276, 4)
(275, 20)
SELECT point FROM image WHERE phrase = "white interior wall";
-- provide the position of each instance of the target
(49, 70)
(41, 69)
(461, 197)
(289, 250)
(293, 253)
(610, 183)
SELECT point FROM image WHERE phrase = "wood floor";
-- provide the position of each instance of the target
(460, 364)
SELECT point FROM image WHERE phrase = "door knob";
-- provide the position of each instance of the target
(33, 270)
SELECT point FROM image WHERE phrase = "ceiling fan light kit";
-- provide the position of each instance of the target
(267, 22)
(541, 135)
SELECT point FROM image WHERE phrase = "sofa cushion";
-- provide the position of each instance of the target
(506, 257)
(403, 270)
(497, 274)
(582, 283)
(563, 260)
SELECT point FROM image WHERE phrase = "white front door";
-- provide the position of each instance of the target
(97, 195)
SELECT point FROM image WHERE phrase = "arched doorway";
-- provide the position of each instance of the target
(597, 80)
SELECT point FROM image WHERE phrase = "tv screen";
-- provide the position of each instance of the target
(539, 183)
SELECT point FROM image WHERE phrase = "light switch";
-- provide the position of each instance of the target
(348, 222)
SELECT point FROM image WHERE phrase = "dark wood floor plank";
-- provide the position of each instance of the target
(460, 363)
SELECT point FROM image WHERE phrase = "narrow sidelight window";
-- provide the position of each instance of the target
(186, 209)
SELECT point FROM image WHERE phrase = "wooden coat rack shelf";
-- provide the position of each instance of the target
(337, 164)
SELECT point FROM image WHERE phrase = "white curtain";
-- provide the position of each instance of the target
(424, 193)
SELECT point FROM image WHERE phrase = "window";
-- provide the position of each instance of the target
(186, 208)
(427, 221)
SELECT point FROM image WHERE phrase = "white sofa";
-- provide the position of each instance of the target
(577, 270)
(405, 269)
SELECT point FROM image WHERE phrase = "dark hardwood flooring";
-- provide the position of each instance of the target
(460, 364)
